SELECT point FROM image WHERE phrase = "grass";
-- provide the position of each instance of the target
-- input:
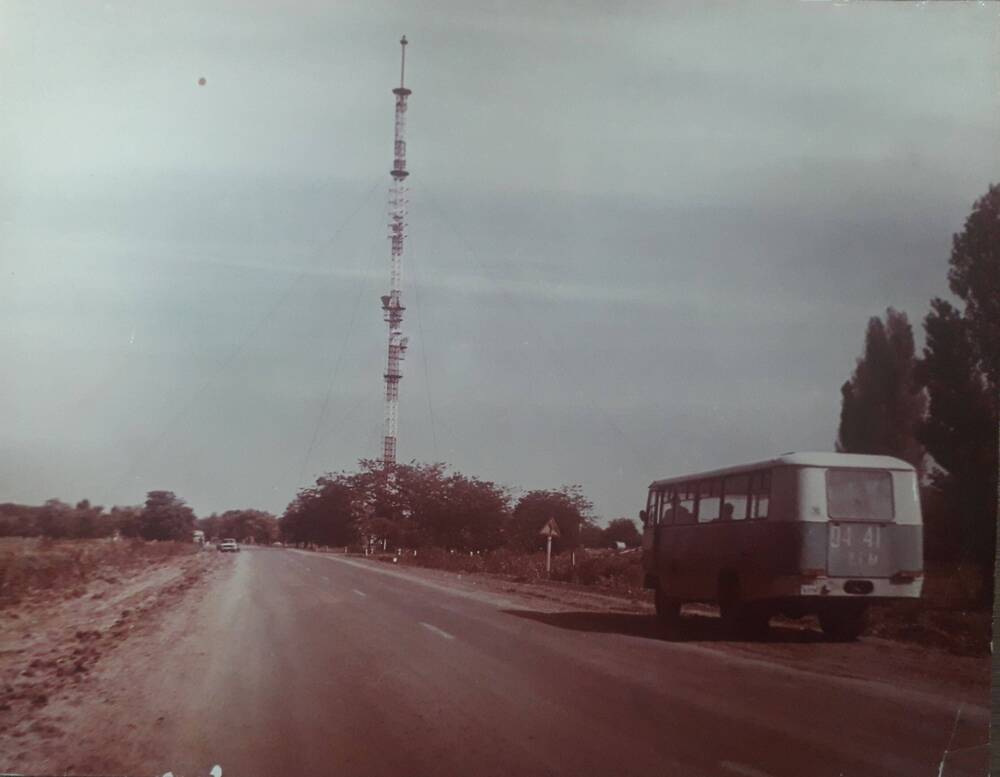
(957, 631)
(30, 566)
(618, 572)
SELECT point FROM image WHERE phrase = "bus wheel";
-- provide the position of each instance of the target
(668, 610)
(843, 624)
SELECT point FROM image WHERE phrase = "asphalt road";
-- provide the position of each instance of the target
(308, 664)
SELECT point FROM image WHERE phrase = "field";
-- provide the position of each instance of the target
(30, 567)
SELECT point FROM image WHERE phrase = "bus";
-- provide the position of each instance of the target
(826, 534)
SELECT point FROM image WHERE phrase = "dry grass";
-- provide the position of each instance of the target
(956, 631)
(32, 566)
(609, 570)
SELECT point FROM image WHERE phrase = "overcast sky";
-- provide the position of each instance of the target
(645, 238)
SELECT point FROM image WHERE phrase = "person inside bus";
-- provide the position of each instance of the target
(727, 511)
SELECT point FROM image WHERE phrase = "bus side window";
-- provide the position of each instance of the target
(685, 504)
(652, 512)
(760, 485)
(667, 507)
(708, 501)
(736, 501)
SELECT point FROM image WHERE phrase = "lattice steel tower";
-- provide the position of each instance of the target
(392, 307)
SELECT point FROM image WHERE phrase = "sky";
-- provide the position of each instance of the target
(644, 238)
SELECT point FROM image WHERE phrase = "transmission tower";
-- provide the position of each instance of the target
(392, 307)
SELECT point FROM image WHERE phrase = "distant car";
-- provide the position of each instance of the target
(229, 546)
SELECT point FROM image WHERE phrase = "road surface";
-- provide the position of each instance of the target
(294, 663)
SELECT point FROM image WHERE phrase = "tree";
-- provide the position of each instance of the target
(882, 403)
(254, 525)
(210, 525)
(166, 517)
(623, 530)
(127, 520)
(56, 519)
(322, 515)
(568, 506)
(19, 520)
(450, 510)
(381, 505)
(591, 535)
(960, 372)
(974, 276)
(419, 505)
(90, 520)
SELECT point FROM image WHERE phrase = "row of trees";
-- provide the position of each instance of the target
(425, 505)
(421, 505)
(939, 411)
(255, 526)
(163, 517)
(56, 519)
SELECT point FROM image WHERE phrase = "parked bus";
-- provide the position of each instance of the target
(804, 533)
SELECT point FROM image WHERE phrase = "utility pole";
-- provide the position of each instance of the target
(392, 307)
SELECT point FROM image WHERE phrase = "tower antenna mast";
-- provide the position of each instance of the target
(392, 308)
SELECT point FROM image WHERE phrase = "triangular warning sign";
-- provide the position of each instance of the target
(551, 529)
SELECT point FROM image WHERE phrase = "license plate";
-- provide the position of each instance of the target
(858, 550)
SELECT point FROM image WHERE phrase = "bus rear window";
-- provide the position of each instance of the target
(857, 494)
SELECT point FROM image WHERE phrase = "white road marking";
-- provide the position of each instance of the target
(743, 770)
(437, 631)
(947, 748)
(360, 593)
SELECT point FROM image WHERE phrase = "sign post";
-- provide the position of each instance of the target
(549, 530)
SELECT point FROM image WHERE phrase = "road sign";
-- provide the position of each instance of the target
(549, 530)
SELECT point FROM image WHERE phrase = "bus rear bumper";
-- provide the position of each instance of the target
(860, 588)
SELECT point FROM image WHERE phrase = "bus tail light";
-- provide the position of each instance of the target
(813, 573)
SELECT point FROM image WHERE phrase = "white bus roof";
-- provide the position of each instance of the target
(822, 459)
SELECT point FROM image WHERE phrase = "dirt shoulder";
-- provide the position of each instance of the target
(53, 637)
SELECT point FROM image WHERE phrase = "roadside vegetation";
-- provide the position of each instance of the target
(429, 506)
(614, 571)
(939, 411)
(164, 516)
(40, 566)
